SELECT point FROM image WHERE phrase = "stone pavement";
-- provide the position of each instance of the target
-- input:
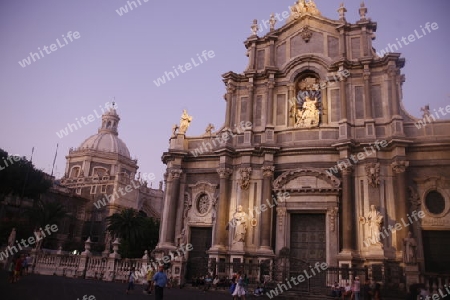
(40, 287)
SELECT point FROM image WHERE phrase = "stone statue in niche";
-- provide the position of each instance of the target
(239, 222)
(307, 109)
(308, 115)
(374, 219)
(409, 249)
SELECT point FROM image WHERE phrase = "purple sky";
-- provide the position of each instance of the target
(121, 56)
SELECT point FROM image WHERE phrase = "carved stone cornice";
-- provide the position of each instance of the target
(399, 166)
(224, 173)
(244, 180)
(175, 173)
(268, 171)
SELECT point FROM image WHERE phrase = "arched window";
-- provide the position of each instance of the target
(99, 171)
(75, 172)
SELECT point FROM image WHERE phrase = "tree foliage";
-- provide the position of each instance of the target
(46, 212)
(136, 231)
(18, 176)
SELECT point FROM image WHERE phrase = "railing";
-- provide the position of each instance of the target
(435, 282)
(89, 267)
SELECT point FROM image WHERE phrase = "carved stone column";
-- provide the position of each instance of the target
(222, 210)
(343, 98)
(292, 100)
(348, 215)
(368, 102)
(399, 168)
(269, 110)
(392, 72)
(170, 209)
(266, 200)
(342, 42)
(250, 102)
(229, 99)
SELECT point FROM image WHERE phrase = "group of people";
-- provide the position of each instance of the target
(156, 282)
(356, 291)
(18, 267)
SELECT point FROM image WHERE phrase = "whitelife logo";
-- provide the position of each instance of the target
(33, 56)
(31, 241)
(89, 119)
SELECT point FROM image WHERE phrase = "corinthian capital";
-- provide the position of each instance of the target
(399, 166)
(224, 172)
(268, 171)
(175, 173)
(345, 168)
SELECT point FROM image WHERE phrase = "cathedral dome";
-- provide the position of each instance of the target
(107, 140)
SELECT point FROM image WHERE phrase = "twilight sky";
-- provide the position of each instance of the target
(121, 56)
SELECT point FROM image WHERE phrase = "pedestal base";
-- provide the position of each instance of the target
(238, 246)
(412, 274)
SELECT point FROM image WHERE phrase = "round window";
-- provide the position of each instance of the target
(203, 204)
(435, 202)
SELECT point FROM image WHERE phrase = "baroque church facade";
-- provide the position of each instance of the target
(102, 172)
(325, 162)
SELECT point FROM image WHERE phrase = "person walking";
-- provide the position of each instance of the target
(18, 267)
(239, 291)
(367, 290)
(131, 279)
(159, 282)
(356, 288)
(150, 275)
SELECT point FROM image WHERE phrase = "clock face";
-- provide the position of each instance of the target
(203, 204)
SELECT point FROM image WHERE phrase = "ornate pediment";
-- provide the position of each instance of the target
(307, 180)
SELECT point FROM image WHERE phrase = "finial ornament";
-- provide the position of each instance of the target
(362, 11)
(342, 10)
(255, 27)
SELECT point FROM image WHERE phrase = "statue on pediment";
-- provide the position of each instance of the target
(185, 121)
(302, 7)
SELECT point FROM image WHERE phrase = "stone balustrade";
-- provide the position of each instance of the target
(87, 266)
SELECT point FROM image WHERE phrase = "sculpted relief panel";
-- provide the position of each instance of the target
(201, 201)
(432, 196)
